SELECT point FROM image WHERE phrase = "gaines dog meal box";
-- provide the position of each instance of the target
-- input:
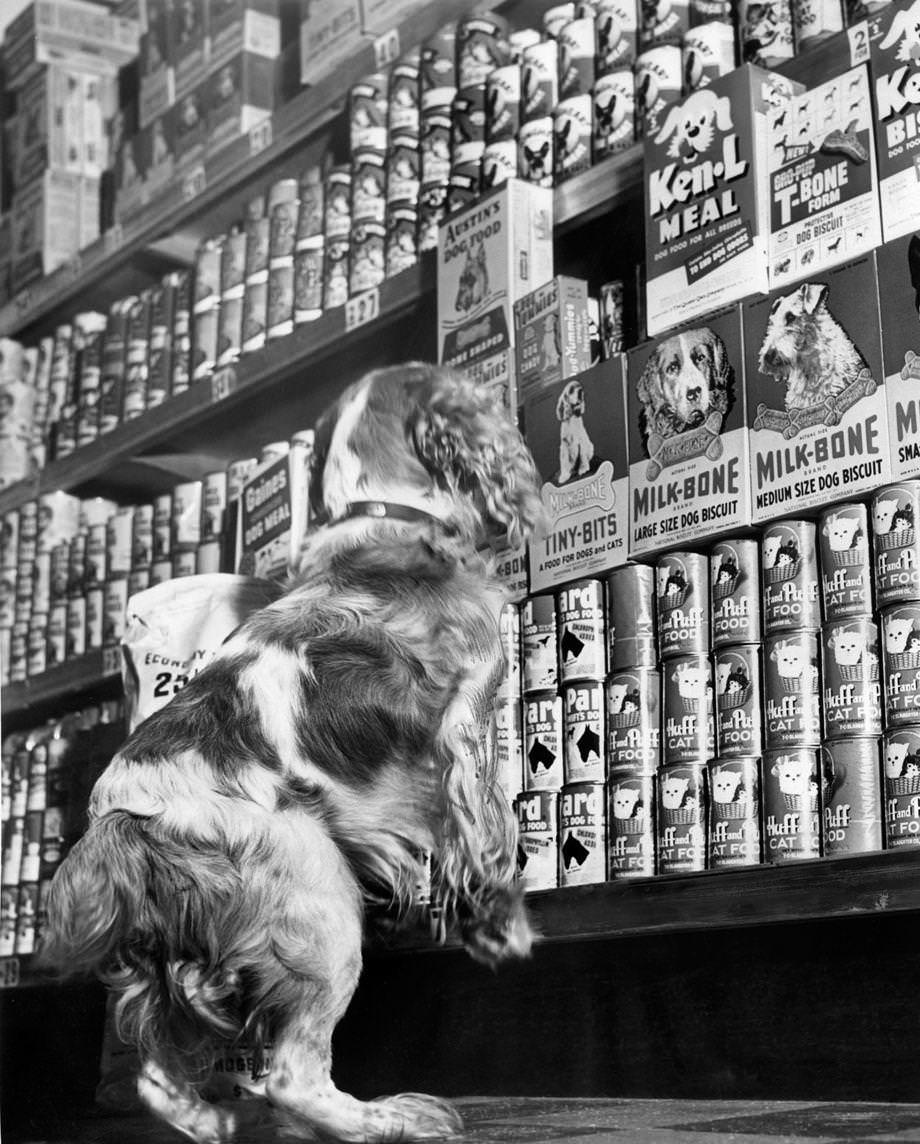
(706, 210)
(688, 450)
(815, 392)
(576, 431)
(898, 265)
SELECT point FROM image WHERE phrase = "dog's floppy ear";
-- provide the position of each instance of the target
(670, 125)
(900, 26)
(562, 407)
(723, 113)
(812, 295)
(721, 373)
(648, 387)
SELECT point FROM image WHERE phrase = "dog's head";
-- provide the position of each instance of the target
(691, 126)
(688, 377)
(424, 436)
(571, 401)
(905, 27)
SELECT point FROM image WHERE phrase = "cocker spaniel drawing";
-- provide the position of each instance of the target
(576, 449)
(687, 378)
(343, 730)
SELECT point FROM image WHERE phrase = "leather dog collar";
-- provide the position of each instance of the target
(385, 509)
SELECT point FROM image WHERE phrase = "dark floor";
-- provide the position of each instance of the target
(535, 1121)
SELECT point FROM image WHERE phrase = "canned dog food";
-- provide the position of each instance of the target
(367, 112)
(509, 743)
(615, 35)
(850, 674)
(308, 280)
(663, 23)
(852, 796)
(482, 45)
(335, 273)
(138, 581)
(612, 321)
(896, 543)
(538, 834)
(683, 604)
(404, 164)
(468, 117)
(632, 639)
(689, 735)
(539, 80)
(118, 543)
(681, 833)
(280, 312)
(631, 825)
(709, 52)
(405, 94)
(185, 517)
(902, 787)
(160, 571)
(56, 649)
(792, 700)
(659, 83)
(213, 503)
(738, 692)
(901, 661)
(368, 180)
(465, 175)
(538, 636)
(789, 571)
(114, 607)
(634, 720)
(576, 57)
(846, 566)
(791, 805)
(733, 834)
(367, 260)
(585, 747)
(162, 526)
(734, 567)
(401, 240)
(142, 536)
(311, 193)
(184, 563)
(581, 626)
(535, 151)
(95, 553)
(181, 356)
(36, 651)
(573, 132)
(76, 627)
(765, 32)
(543, 742)
(337, 203)
(503, 103)
(582, 834)
(613, 113)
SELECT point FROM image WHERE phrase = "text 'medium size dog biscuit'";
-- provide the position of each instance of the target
(707, 217)
(688, 444)
(815, 392)
(898, 265)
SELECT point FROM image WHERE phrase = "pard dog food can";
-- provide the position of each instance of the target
(738, 692)
(543, 742)
(538, 834)
(688, 717)
(734, 567)
(538, 638)
(850, 679)
(683, 604)
(582, 834)
(733, 835)
(682, 818)
(632, 639)
(585, 746)
(896, 542)
(852, 796)
(789, 567)
(901, 662)
(631, 825)
(846, 566)
(902, 787)
(792, 805)
(634, 720)
(792, 701)
(582, 637)
(509, 743)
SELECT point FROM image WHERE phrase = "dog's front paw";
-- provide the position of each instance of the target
(416, 1116)
(498, 928)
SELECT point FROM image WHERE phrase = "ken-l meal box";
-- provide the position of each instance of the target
(894, 37)
(707, 207)
(576, 430)
(823, 186)
(815, 392)
(688, 442)
(898, 265)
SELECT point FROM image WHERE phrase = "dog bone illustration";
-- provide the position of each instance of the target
(691, 443)
(846, 142)
(911, 367)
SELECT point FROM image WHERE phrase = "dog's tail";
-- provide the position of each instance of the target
(127, 906)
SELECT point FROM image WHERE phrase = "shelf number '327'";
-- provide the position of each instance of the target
(362, 308)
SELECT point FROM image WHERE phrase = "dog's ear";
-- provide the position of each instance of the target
(648, 387)
(721, 367)
(670, 125)
(812, 295)
(723, 113)
(562, 407)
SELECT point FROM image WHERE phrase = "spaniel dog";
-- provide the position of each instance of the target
(687, 378)
(576, 449)
(341, 734)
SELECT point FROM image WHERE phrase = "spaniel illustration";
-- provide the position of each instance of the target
(687, 378)
(576, 449)
(340, 734)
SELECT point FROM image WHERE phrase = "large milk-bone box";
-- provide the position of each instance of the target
(706, 202)
(894, 37)
(576, 431)
(552, 334)
(823, 185)
(489, 256)
(688, 439)
(898, 265)
(816, 398)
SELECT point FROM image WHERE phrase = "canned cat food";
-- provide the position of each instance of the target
(896, 542)
(631, 825)
(509, 743)
(689, 735)
(543, 742)
(582, 834)
(901, 750)
(734, 567)
(852, 796)
(538, 834)
(846, 566)
(789, 571)
(585, 747)
(632, 639)
(792, 805)
(581, 628)
(613, 113)
(738, 693)
(683, 604)
(901, 661)
(634, 720)
(733, 834)
(850, 674)
(538, 637)
(792, 701)
(681, 833)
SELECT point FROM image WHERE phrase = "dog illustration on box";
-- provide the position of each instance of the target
(905, 27)
(576, 449)
(691, 125)
(474, 279)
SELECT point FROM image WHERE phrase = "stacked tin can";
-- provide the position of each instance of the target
(368, 111)
(206, 308)
(633, 711)
(309, 248)
(283, 207)
(437, 90)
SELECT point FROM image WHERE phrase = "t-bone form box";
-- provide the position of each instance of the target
(816, 399)
(577, 434)
(898, 265)
(688, 441)
(707, 217)
(895, 64)
(552, 337)
(489, 256)
(823, 185)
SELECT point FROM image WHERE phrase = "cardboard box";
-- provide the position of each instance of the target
(817, 413)
(272, 517)
(689, 463)
(47, 223)
(576, 430)
(252, 26)
(552, 336)
(898, 266)
(381, 16)
(330, 33)
(190, 127)
(190, 44)
(490, 255)
(240, 94)
(157, 84)
(706, 207)
(895, 68)
(823, 184)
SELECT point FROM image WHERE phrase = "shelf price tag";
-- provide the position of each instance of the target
(858, 36)
(111, 661)
(362, 308)
(386, 48)
(194, 183)
(24, 300)
(261, 136)
(223, 383)
(9, 972)
(115, 237)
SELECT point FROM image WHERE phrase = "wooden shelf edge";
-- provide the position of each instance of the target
(82, 674)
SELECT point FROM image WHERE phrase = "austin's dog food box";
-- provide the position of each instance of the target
(898, 265)
(489, 256)
(577, 433)
(707, 217)
(815, 392)
(823, 184)
(688, 440)
(894, 34)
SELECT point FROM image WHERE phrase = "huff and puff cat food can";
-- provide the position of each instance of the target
(543, 742)
(901, 751)
(631, 824)
(789, 572)
(683, 604)
(738, 693)
(538, 641)
(851, 697)
(733, 834)
(634, 720)
(846, 565)
(582, 635)
(538, 839)
(585, 742)
(852, 796)
(687, 715)
(734, 571)
(791, 805)
(792, 699)
(896, 542)
(681, 833)
(582, 834)
(632, 637)
(901, 664)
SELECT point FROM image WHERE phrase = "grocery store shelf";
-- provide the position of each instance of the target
(81, 676)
